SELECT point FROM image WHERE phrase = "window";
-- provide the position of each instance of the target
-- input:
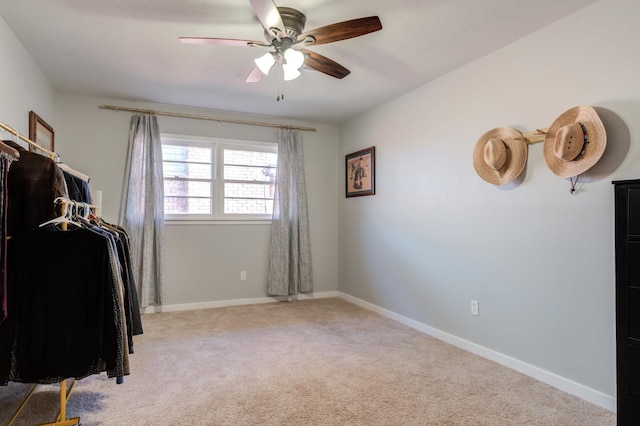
(218, 179)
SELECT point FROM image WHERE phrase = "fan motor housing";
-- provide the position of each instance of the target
(293, 21)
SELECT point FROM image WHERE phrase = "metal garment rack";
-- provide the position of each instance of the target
(17, 134)
(61, 418)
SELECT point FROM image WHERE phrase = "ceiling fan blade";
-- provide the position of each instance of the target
(343, 30)
(255, 75)
(220, 41)
(323, 64)
(268, 14)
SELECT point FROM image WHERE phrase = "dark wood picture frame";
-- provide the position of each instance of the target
(360, 172)
(40, 132)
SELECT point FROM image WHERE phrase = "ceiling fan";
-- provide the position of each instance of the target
(287, 41)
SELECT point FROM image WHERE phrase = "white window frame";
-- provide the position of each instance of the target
(219, 144)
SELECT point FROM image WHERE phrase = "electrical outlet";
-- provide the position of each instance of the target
(243, 275)
(475, 306)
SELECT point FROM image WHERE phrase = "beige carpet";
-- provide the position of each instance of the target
(314, 362)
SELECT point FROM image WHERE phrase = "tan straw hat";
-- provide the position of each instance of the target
(498, 157)
(575, 142)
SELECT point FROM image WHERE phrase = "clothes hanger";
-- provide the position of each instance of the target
(85, 210)
(65, 218)
(74, 172)
(85, 218)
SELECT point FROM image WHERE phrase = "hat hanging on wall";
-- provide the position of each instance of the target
(575, 142)
(500, 155)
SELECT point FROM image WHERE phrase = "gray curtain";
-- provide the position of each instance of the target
(290, 249)
(142, 207)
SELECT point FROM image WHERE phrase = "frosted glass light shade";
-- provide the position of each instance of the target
(294, 58)
(265, 62)
(290, 72)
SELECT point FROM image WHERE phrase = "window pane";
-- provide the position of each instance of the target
(250, 174)
(187, 188)
(250, 158)
(182, 205)
(248, 190)
(187, 170)
(238, 206)
(186, 153)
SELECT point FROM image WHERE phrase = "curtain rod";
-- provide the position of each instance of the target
(204, 117)
(14, 132)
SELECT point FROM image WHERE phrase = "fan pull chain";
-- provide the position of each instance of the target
(280, 81)
(280, 84)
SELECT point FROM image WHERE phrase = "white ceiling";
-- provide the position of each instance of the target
(129, 49)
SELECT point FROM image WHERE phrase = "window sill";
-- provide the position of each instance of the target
(176, 222)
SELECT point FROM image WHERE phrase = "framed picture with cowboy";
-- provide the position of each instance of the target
(360, 172)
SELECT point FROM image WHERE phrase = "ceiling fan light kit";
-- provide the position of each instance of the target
(290, 72)
(294, 58)
(283, 31)
(265, 62)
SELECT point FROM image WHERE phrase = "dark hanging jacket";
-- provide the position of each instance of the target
(33, 183)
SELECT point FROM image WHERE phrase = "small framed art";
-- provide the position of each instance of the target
(40, 132)
(361, 172)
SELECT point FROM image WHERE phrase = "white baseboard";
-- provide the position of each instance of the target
(234, 302)
(593, 396)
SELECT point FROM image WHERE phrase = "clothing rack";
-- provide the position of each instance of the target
(61, 418)
(17, 134)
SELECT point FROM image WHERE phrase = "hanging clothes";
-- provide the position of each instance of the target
(6, 157)
(120, 241)
(65, 297)
(33, 183)
(132, 304)
(66, 168)
(66, 314)
(78, 188)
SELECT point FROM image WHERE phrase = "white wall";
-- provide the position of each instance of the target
(539, 260)
(203, 262)
(23, 87)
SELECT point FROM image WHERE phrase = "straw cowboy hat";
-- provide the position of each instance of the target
(575, 142)
(499, 157)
